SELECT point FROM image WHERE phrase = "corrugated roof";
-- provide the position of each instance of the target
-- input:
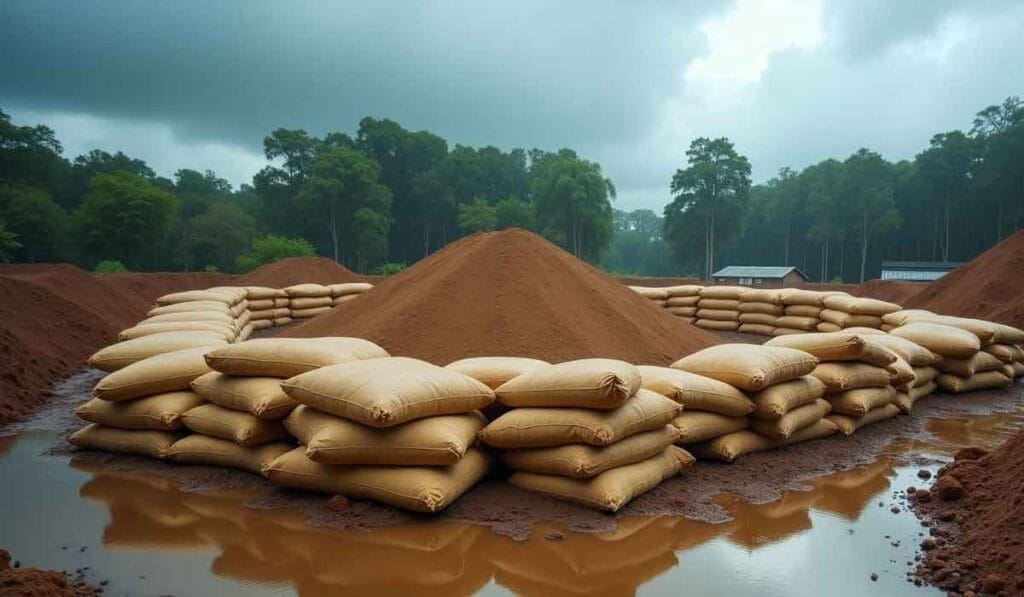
(912, 275)
(940, 266)
(756, 271)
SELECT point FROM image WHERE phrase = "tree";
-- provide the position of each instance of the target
(218, 236)
(125, 218)
(8, 242)
(712, 187)
(573, 199)
(513, 212)
(477, 216)
(271, 248)
(866, 193)
(39, 223)
(97, 161)
(948, 165)
(30, 155)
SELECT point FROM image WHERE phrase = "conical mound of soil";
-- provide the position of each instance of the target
(894, 291)
(298, 270)
(510, 293)
(988, 287)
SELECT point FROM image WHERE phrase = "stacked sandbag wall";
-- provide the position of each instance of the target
(760, 310)
(844, 311)
(268, 306)
(682, 301)
(718, 308)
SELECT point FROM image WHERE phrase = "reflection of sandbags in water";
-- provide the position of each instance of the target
(760, 524)
(849, 492)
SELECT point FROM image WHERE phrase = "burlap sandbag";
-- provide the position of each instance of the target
(903, 317)
(730, 447)
(978, 363)
(310, 302)
(684, 290)
(261, 292)
(217, 316)
(901, 373)
(285, 320)
(787, 332)
(804, 311)
(758, 318)
(797, 323)
(585, 383)
(258, 396)
(942, 339)
(288, 357)
(861, 401)
(1006, 353)
(650, 293)
(683, 311)
(828, 328)
(214, 451)
(797, 296)
(261, 324)
(785, 426)
(682, 301)
(546, 427)
(306, 291)
(695, 392)
(223, 330)
(859, 305)
(260, 305)
(906, 401)
(190, 307)
(863, 331)
(718, 314)
(770, 296)
(244, 333)
(989, 380)
(307, 313)
(126, 441)
(122, 354)
(495, 371)
(763, 308)
(190, 296)
(756, 328)
(696, 426)
(1018, 369)
(1007, 334)
(721, 326)
(580, 461)
(267, 314)
(719, 304)
(349, 288)
(167, 372)
(840, 376)
(244, 428)
(612, 489)
(161, 412)
(344, 299)
(722, 292)
(388, 391)
(434, 441)
(838, 346)
(923, 375)
(775, 401)
(747, 366)
(846, 320)
(416, 488)
(848, 425)
(911, 352)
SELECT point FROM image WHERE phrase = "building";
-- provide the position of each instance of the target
(760, 276)
(916, 271)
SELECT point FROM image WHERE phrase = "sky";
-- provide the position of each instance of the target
(627, 84)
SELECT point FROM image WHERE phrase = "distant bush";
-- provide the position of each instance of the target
(110, 267)
(390, 269)
(211, 269)
(271, 248)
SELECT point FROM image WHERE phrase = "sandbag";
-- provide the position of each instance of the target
(388, 391)
(848, 425)
(838, 346)
(787, 332)
(683, 290)
(811, 311)
(723, 292)
(307, 313)
(717, 314)
(288, 357)
(222, 330)
(302, 303)
(285, 320)
(696, 426)
(580, 461)
(344, 299)
(911, 352)
(839, 376)
(758, 318)
(495, 371)
(261, 305)
(942, 339)
(683, 311)
(770, 296)
(612, 489)
(349, 288)
(695, 392)
(923, 375)
(721, 326)
(1007, 334)
(718, 304)
(433, 441)
(682, 301)
(797, 296)
(122, 354)
(659, 294)
(898, 318)
(785, 426)
(1018, 369)
(244, 428)
(775, 401)
(846, 320)
(261, 324)
(756, 328)
(906, 401)
(546, 427)
(827, 327)
(730, 447)
(110, 439)
(218, 316)
(585, 383)
(762, 308)
(859, 305)
(261, 292)
(797, 323)
(214, 451)
(988, 380)
(167, 372)
(416, 488)
(306, 291)
(282, 302)
(863, 331)
(161, 412)
(244, 333)
(861, 401)
(258, 396)
(1006, 353)
(748, 367)
(978, 363)
(900, 373)
(191, 307)
(189, 296)
(267, 314)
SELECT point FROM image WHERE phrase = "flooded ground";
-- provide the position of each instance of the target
(146, 536)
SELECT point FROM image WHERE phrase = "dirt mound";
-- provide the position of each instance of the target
(34, 581)
(510, 293)
(990, 286)
(978, 509)
(894, 291)
(298, 270)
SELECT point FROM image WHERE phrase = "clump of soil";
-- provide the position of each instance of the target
(976, 513)
(989, 287)
(510, 293)
(298, 270)
(33, 582)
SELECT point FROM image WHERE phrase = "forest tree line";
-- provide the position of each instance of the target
(387, 196)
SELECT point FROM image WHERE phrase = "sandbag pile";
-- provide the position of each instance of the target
(308, 300)
(787, 405)
(393, 429)
(802, 311)
(342, 293)
(718, 308)
(842, 311)
(586, 432)
(682, 301)
(858, 376)
(268, 306)
(760, 310)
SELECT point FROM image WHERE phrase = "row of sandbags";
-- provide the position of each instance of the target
(222, 312)
(301, 301)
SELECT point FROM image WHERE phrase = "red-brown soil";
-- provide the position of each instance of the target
(991, 286)
(659, 282)
(510, 293)
(34, 582)
(976, 509)
(894, 291)
(298, 270)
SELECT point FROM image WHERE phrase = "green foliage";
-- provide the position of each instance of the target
(110, 267)
(389, 269)
(30, 155)
(637, 246)
(8, 242)
(477, 216)
(513, 212)
(217, 236)
(573, 199)
(39, 223)
(271, 248)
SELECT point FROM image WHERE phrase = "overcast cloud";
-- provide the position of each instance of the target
(199, 85)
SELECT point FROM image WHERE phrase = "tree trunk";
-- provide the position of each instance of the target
(333, 226)
(789, 225)
(711, 254)
(842, 260)
(945, 247)
(864, 246)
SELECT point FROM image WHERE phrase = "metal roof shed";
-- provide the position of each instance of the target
(916, 271)
(761, 276)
